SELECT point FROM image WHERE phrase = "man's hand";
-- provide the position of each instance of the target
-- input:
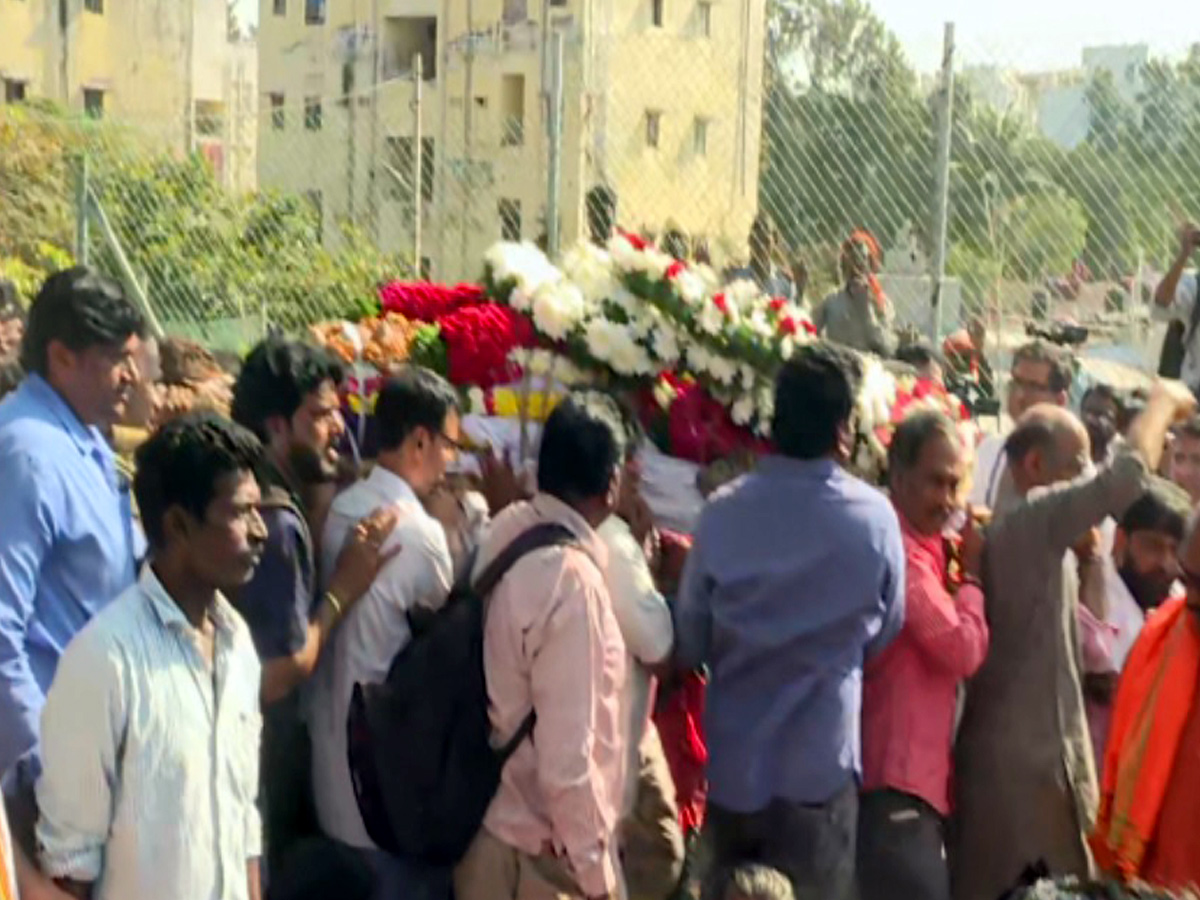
(1088, 547)
(499, 482)
(362, 556)
(972, 548)
(1174, 395)
(1189, 239)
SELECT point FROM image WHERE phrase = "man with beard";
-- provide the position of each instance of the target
(287, 395)
(418, 418)
(1149, 824)
(1026, 779)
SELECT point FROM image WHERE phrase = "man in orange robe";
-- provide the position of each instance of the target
(1149, 824)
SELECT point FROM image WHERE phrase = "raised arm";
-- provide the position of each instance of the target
(1167, 291)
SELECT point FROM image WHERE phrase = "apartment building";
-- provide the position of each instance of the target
(662, 103)
(166, 68)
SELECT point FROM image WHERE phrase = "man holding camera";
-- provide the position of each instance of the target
(1175, 302)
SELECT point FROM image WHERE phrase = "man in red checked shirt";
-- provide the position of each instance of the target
(910, 690)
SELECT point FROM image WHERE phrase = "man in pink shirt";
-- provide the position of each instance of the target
(552, 643)
(910, 690)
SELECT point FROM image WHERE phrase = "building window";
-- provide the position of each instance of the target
(94, 6)
(653, 127)
(510, 220)
(405, 37)
(700, 137)
(93, 103)
(281, 7)
(512, 110)
(14, 91)
(312, 113)
(558, 2)
(400, 159)
(656, 12)
(314, 12)
(704, 18)
(278, 117)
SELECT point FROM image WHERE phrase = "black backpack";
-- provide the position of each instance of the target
(423, 768)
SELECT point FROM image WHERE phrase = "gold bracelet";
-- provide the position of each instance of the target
(332, 600)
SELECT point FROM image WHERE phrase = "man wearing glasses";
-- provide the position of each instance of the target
(418, 419)
(1041, 373)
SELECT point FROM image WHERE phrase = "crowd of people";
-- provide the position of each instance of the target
(919, 691)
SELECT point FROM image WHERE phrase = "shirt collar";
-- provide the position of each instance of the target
(390, 487)
(786, 467)
(169, 613)
(552, 509)
(931, 543)
(87, 438)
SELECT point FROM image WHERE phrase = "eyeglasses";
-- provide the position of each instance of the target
(1032, 387)
(457, 446)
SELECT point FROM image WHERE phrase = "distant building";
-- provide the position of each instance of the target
(165, 67)
(662, 104)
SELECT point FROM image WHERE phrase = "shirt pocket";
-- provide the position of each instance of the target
(242, 753)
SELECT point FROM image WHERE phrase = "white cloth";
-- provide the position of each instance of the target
(645, 622)
(1123, 614)
(1180, 310)
(150, 757)
(990, 463)
(372, 633)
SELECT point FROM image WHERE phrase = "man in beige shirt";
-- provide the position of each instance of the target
(552, 643)
(1026, 779)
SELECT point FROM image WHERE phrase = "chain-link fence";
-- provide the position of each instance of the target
(408, 145)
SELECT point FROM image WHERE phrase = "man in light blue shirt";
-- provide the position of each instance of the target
(796, 577)
(67, 538)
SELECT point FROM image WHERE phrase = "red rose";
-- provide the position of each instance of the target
(424, 301)
(674, 269)
(777, 304)
(479, 340)
(721, 303)
(638, 243)
(787, 325)
(809, 327)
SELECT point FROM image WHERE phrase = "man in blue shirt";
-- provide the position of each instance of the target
(796, 577)
(67, 543)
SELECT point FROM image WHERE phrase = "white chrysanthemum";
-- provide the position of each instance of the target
(477, 403)
(614, 345)
(655, 263)
(742, 412)
(627, 302)
(558, 309)
(723, 370)
(523, 263)
(787, 347)
(877, 394)
(691, 287)
(711, 320)
(665, 343)
(744, 295)
(591, 270)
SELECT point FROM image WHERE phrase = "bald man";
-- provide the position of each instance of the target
(1026, 778)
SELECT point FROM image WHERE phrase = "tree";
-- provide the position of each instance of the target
(1042, 234)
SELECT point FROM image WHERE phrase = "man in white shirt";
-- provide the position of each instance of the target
(1175, 301)
(150, 733)
(1041, 373)
(418, 420)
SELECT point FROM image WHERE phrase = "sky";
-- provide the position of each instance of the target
(1031, 35)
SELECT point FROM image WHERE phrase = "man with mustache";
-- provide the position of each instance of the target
(287, 394)
(1149, 824)
(150, 730)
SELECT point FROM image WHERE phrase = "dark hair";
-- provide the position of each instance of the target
(918, 354)
(911, 436)
(1104, 392)
(1164, 507)
(814, 396)
(1034, 434)
(181, 463)
(276, 377)
(416, 398)
(1059, 362)
(1189, 429)
(81, 309)
(9, 307)
(11, 375)
(583, 444)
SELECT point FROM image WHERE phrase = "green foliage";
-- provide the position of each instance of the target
(203, 253)
(428, 349)
(1042, 234)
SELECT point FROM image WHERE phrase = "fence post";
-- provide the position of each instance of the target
(944, 113)
(554, 136)
(418, 161)
(127, 274)
(81, 209)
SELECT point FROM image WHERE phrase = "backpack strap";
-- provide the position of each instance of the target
(539, 537)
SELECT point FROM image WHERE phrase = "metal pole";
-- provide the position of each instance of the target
(373, 216)
(81, 210)
(418, 182)
(127, 274)
(468, 163)
(941, 195)
(554, 136)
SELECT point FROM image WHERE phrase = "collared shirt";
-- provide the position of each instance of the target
(151, 754)
(796, 577)
(1024, 741)
(991, 470)
(1123, 615)
(372, 633)
(645, 622)
(910, 694)
(552, 643)
(67, 548)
